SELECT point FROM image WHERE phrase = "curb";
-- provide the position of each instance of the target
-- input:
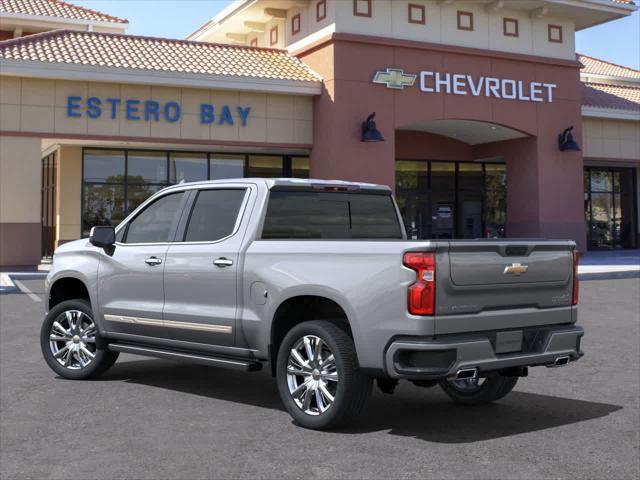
(7, 284)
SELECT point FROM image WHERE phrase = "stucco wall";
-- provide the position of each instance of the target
(19, 200)
(389, 18)
(540, 176)
(68, 193)
(611, 139)
(40, 106)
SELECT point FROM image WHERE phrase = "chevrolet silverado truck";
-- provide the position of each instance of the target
(316, 280)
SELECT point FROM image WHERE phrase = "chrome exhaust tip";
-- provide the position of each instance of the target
(562, 361)
(467, 374)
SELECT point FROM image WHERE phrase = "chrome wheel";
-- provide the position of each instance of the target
(312, 375)
(72, 339)
(468, 385)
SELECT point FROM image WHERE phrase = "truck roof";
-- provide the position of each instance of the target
(293, 182)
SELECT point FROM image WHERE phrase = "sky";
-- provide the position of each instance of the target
(617, 42)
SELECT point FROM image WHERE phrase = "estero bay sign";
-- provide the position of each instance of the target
(152, 110)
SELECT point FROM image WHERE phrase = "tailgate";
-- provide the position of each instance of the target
(490, 285)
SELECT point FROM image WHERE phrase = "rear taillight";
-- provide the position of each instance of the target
(422, 294)
(576, 283)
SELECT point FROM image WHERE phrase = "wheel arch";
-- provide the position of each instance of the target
(67, 288)
(301, 308)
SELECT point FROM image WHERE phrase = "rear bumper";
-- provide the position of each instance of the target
(420, 358)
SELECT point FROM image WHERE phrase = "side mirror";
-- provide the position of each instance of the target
(103, 237)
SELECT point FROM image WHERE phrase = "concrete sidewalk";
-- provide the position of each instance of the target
(612, 263)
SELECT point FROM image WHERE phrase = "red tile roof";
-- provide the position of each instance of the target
(56, 8)
(611, 96)
(602, 67)
(157, 54)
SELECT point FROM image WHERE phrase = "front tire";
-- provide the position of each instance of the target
(68, 339)
(478, 391)
(318, 376)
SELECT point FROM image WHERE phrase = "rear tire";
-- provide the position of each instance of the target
(318, 376)
(69, 340)
(489, 390)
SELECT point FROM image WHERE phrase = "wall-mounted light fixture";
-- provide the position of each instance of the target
(566, 143)
(370, 132)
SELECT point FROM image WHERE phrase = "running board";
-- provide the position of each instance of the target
(234, 364)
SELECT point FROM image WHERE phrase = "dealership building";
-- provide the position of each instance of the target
(487, 122)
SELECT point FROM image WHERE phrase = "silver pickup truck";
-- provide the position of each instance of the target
(317, 280)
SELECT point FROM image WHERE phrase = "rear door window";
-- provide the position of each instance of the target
(214, 214)
(329, 215)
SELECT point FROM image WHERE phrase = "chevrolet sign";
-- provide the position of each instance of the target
(465, 84)
(394, 78)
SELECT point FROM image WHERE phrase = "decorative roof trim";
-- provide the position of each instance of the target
(611, 113)
(65, 20)
(622, 81)
(107, 18)
(55, 33)
(91, 73)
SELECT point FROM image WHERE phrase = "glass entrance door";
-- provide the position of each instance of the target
(451, 199)
(610, 207)
(47, 205)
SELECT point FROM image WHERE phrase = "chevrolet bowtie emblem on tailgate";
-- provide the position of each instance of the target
(395, 78)
(516, 269)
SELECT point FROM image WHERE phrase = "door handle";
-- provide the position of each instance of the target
(153, 261)
(222, 262)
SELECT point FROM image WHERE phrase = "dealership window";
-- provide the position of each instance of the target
(416, 14)
(295, 24)
(610, 207)
(465, 20)
(264, 166)
(555, 33)
(48, 204)
(321, 10)
(451, 199)
(226, 166)
(362, 8)
(187, 167)
(495, 203)
(115, 182)
(299, 167)
(510, 27)
(103, 201)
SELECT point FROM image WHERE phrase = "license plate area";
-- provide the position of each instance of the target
(509, 342)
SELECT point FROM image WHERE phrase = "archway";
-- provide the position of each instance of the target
(451, 177)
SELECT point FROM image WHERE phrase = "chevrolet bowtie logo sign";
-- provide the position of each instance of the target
(395, 78)
(515, 269)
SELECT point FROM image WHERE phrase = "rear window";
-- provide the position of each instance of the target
(329, 215)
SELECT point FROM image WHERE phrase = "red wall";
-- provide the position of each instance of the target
(544, 185)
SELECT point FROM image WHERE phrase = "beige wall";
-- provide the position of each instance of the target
(68, 193)
(34, 105)
(20, 171)
(19, 200)
(390, 19)
(608, 138)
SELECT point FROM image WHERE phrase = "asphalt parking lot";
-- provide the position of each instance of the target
(150, 418)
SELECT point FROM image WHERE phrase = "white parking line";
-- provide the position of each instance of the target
(24, 289)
